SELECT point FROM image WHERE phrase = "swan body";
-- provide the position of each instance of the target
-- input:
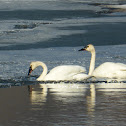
(116, 6)
(110, 70)
(107, 69)
(64, 72)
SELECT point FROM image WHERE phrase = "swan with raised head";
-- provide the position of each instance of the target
(107, 69)
(64, 72)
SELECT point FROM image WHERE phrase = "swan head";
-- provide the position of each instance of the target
(89, 48)
(33, 65)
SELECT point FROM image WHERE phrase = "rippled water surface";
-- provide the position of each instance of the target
(64, 104)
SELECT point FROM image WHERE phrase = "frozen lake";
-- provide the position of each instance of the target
(53, 31)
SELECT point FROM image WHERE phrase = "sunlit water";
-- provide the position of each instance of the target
(53, 31)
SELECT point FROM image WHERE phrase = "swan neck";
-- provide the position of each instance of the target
(92, 62)
(44, 73)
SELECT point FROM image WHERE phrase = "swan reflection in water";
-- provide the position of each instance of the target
(77, 102)
(38, 95)
(66, 93)
(72, 93)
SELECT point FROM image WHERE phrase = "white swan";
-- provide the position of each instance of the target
(64, 72)
(107, 69)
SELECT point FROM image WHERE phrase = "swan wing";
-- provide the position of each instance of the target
(64, 72)
(80, 76)
(121, 66)
(67, 69)
(110, 70)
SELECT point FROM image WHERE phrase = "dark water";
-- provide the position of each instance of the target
(53, 32)
(61, 104)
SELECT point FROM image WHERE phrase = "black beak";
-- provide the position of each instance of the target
(83, 49)
(30, 70)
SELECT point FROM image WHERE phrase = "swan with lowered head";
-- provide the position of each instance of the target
(64, 72)
(107, 69)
